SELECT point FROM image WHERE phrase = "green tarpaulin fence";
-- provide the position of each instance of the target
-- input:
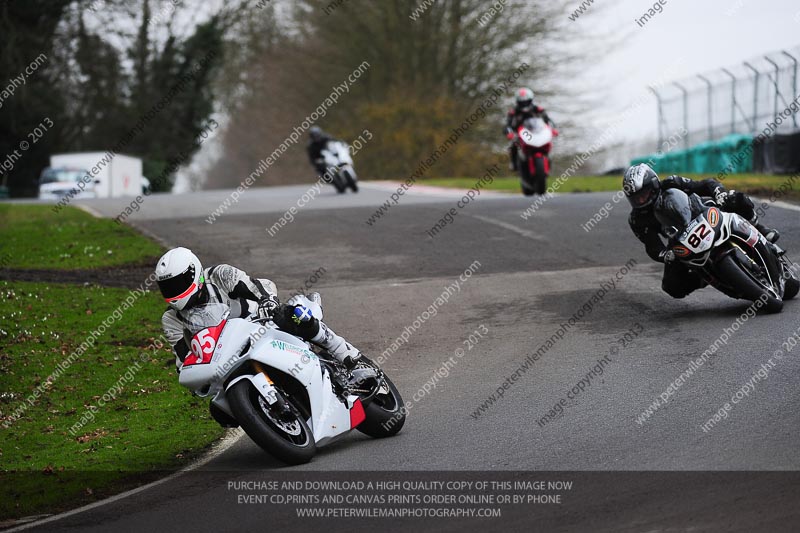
(732, 154)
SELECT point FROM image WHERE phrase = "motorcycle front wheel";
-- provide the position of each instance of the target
(288, 440)
(747, 284)
(338, 182)
(792, 286)
(526, 179)
(350, 178)
(540, 178)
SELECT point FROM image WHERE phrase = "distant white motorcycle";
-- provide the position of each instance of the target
(286, 397)
(339, 165)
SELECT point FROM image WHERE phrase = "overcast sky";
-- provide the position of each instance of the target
(706, 34)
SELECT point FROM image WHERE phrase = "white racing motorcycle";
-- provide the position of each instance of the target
(287, 398)
(339, 165)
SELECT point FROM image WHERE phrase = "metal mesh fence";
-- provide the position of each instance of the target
(740, 99)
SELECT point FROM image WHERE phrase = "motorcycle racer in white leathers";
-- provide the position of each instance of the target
(184, 284)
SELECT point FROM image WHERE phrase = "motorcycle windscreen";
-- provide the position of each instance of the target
(205, 316)
(535, 132)
(673, 211)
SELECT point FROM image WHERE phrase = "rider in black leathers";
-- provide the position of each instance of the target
(642, 187)
(318, 140)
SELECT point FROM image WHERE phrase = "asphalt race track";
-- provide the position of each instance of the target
(533, 275)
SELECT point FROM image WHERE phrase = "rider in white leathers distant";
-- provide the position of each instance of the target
(184, 284)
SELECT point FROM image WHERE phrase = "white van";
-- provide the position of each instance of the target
(91, 175)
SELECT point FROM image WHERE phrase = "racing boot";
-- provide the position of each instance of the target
(325, 338)
(342, 350)
(770, 234)
(359, 374)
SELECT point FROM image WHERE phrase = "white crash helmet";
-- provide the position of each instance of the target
(525, 100)
(179, 275)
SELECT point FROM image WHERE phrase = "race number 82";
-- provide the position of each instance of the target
(698, 235)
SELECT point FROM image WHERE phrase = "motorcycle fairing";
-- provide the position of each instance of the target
(712, 228)
(536, 133)
(330, 416)
(337, 154)
(236, 333)
(204, 345)
(745, 231)
(708, 231)
(695, 243)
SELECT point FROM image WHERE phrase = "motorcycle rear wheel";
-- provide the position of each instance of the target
(385, 412)
(291, 442)
(746, 284)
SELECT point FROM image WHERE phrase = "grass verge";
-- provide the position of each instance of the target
(759, 185)
(33, 236)
(151, 423)
(114, 416)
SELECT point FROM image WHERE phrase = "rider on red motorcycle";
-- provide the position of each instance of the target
(524, 109)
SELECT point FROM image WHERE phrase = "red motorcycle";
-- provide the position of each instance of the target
(535, 140)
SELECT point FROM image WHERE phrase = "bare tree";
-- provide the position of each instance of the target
(429, 69)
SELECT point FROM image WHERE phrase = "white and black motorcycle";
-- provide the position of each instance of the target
(339, 166)
(726, 250)
(286, 397)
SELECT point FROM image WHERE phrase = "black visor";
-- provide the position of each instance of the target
(642, 197)
(177, 285)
